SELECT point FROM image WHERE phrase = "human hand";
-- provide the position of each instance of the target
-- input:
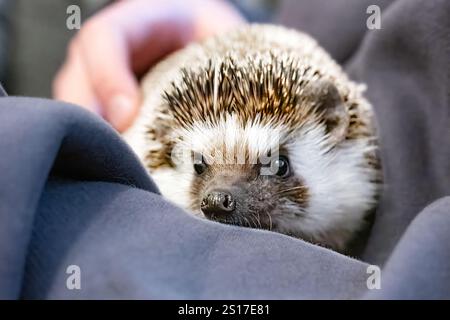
(122, 41)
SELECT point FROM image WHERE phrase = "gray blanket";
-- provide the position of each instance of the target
(73, 193)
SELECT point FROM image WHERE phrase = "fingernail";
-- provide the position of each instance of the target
(119, 110)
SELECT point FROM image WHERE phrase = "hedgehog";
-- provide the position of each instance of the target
(259, 127)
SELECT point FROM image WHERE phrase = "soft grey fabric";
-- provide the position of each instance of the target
(419, 265)
(72, 193)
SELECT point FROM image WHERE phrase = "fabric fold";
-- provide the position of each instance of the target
(35, 134)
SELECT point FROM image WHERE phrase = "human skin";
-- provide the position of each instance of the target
(121, 42)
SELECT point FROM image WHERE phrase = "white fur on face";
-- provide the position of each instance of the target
(340, 191)
(206, 139)
(230, 139)
(340, 186)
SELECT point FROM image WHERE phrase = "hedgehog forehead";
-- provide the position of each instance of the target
(268, 89)
(229, 136)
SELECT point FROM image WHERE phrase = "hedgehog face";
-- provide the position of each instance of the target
(274, 146)
(294, 181)
(243, 176)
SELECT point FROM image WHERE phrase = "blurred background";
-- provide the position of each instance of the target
(33, 38)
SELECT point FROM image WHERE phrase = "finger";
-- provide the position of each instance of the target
(72, 83)
(109, 76)
(112, 41)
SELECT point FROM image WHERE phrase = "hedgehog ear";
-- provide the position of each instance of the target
(332, 107)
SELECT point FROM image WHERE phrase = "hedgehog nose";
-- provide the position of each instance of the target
(218, 203)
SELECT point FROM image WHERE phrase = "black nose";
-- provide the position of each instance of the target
(218, 203)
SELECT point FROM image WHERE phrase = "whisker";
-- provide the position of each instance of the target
(270, 221)
(255, 220)
(247, 222)
(258, 218)
(290, 190)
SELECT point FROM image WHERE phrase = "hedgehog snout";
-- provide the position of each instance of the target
(218, 203)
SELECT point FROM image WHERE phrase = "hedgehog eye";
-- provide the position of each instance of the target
(282, 164)
(199, 164)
